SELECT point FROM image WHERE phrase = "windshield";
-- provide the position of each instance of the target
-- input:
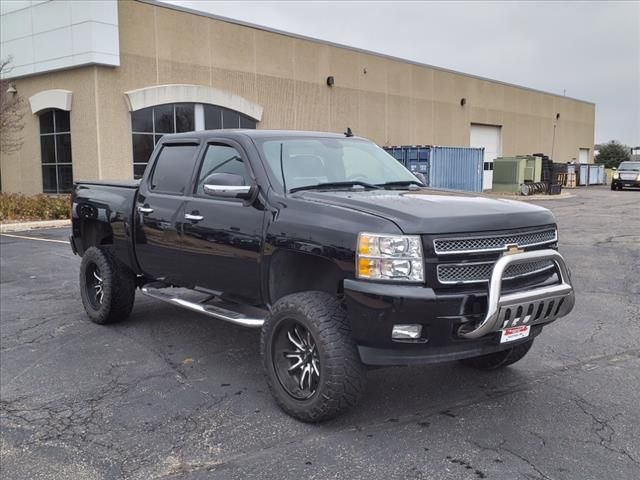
(633, 166)
(309, 162)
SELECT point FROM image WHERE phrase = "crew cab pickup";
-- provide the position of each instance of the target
(338, 253)
(627, 175)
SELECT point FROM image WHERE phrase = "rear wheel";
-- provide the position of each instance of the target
(107, 287)
(312, 363)
(500, 359)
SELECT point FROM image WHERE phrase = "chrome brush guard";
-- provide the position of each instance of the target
(538, 305)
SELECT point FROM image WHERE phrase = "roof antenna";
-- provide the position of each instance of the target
(348, 133)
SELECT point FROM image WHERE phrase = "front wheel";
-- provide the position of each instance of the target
(500, 359)
(311, 361)
(107, 287)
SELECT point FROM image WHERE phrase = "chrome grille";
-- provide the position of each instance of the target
(454, 273)
(493, 243)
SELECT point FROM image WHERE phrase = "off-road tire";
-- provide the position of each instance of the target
(342, 377)
(503, 358)
(118, 287)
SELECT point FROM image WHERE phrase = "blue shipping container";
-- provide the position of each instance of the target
(417, 159)
(397, 153)
(455, 168)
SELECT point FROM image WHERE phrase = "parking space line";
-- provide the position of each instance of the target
(66, 242)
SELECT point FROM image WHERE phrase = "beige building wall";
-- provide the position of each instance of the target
(390, 101)
(22, 170)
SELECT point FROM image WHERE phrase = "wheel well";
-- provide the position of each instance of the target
(95, 233)
(291, 272)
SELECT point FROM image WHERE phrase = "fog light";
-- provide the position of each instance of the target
(406, 332)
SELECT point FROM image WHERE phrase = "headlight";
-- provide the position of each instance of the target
(390, 257)
(638, 177)
(615, 175)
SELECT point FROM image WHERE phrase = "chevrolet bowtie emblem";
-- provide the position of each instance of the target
(512, 249)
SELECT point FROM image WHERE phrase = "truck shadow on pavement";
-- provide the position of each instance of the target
(224, 359)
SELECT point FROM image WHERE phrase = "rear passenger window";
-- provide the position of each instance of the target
(173, 168)
(221, 159)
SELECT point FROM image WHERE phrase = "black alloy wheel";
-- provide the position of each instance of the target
(95, 286)
(107, 287)
(311, 362)
(296, 360)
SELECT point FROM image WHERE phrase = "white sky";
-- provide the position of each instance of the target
(590, 49)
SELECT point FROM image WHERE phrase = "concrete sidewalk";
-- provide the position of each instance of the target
(25, 226)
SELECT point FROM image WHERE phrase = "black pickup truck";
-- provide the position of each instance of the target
(338, 253)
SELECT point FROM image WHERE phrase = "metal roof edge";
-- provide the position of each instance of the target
(57, 69)
(162, 4)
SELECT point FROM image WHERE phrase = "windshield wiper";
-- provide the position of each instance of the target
(320, 186)
(401, 183)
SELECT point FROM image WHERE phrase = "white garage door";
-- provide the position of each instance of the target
(583, 155)
(489, 138)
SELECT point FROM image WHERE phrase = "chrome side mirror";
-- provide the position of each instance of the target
(228, 185)
(229, 191)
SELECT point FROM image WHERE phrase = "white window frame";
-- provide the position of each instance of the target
(186, 93)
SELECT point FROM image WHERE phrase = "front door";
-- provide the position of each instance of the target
(160, 212)
(222, 240)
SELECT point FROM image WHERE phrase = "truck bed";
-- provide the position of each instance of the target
(104, 211)
(111, 183)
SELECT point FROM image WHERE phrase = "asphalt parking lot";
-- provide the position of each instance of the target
(170, 394)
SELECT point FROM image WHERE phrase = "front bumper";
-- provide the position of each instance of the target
(454, 325)
(616, 182)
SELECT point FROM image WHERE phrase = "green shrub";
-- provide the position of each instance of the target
(17, 207)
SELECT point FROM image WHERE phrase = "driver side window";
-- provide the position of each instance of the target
(221, 159)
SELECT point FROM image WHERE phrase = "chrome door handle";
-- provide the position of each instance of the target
(145, 210)
(192, 217)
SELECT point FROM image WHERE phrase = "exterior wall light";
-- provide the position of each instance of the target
(330, 81)
(463, 102)
(12, 89)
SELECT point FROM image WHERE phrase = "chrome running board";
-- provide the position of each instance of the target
(214, 311)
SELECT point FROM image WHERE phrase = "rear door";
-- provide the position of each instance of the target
(160, 210)
(223, 236)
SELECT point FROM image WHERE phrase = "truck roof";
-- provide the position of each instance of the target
(241, 132)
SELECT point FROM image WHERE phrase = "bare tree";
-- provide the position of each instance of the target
(12, 111)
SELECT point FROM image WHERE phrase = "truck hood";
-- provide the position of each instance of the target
(429, 211)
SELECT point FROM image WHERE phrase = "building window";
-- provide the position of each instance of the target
(55, 148)
(148, 125)
(220, 117)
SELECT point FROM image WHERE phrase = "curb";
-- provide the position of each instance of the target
(562, 196)
(24, 226)
(529, 198)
